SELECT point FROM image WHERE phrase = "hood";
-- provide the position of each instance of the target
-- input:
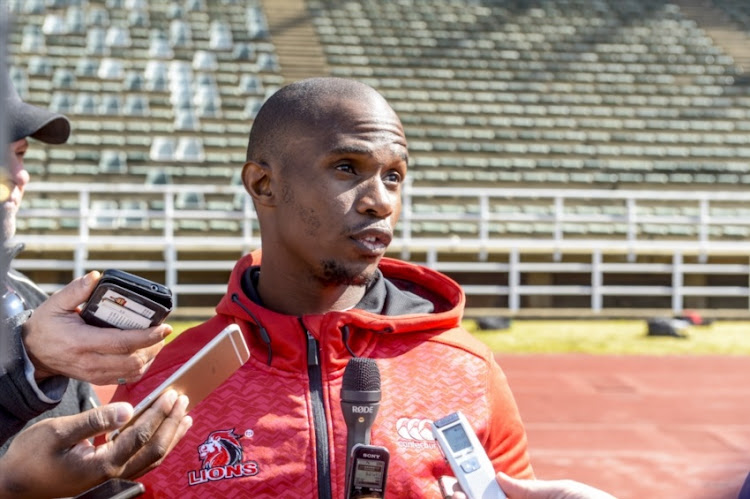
(445, 294)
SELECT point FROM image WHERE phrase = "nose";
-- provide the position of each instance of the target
(17, 172)
(377, 200)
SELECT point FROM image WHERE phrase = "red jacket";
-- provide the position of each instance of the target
(278, 430)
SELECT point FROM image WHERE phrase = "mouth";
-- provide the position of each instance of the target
(373, 242)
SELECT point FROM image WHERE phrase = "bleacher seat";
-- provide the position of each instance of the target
(103, 214)
(519, 93)
(162, 149)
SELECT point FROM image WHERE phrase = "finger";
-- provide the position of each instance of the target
(110, 353)
(122, 341)
(72, 429)
(184, 422)
(116, 369)
(76, 292)
(105, 369)
(131, 440)
(514, 488)
(165, 439)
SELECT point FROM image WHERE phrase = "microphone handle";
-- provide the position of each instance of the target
(359, 435)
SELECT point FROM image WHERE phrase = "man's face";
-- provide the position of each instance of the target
(17, 180)
(340, 194)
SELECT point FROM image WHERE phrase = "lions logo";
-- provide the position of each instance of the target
(222, 457)
(221, 448)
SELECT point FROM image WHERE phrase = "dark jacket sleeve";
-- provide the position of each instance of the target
(18, 401)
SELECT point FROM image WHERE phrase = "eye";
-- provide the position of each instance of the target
(393, 177)
(345, 167)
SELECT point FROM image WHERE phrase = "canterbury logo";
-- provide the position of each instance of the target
(414, 429)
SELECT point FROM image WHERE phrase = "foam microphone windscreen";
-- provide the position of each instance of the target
(361, 375)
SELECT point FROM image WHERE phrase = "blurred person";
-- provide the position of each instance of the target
(54, 458)
(48, 358)
(326, 162)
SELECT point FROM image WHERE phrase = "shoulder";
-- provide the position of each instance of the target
(460, 339)
(26, 288)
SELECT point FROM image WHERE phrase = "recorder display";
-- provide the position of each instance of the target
(122, 312)
(368, 473)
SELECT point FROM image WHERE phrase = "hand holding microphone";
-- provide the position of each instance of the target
(366, 465)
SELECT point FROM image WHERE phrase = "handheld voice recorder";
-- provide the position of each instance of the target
(466, 456)
(127, 301)
(368, 471)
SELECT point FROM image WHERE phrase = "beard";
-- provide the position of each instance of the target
(336, 274)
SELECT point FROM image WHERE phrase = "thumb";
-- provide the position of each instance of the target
(76, 292)
(519, 489)
(548, 489)
(87, 424)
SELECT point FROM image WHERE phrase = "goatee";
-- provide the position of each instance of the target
(335, 274)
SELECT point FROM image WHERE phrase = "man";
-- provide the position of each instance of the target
(326, 161)
(42, 358)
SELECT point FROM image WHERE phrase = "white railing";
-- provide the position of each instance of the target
(485, 232)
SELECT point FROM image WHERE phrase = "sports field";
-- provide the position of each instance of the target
(616, 337)
(603, 337)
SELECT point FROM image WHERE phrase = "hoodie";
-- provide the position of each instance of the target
(275, 428)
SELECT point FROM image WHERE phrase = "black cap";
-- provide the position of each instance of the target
(25, 120)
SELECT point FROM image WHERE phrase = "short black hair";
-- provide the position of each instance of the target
(298, 107)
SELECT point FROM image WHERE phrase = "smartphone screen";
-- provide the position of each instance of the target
(203, 372)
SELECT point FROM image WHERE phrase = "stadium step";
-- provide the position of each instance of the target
(720, 28)
(296, 41)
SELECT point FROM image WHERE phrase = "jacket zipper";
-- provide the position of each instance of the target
(320, 426)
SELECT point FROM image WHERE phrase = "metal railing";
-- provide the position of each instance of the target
(485, 232)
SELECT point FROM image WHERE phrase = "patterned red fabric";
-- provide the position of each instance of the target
(254, 436)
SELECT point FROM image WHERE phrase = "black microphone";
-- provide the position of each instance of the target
(360, 400)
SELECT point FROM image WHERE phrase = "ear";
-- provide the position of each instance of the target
(257, 178)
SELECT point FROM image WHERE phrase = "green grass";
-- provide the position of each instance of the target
(620, 337)
(180, 326)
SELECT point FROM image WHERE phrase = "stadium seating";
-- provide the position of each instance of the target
(587, 84)
(565, 95)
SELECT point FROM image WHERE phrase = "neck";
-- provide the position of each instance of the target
(291, 297)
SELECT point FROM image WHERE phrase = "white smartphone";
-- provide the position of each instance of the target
(467, 457)
(202, 373)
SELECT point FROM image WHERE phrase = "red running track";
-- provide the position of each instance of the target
(637, 426)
